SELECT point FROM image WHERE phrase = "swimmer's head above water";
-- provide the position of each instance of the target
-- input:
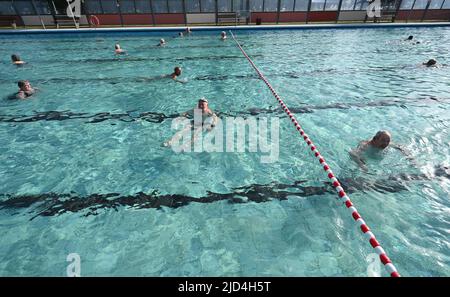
(24, 85)
(431, 62)
(177, 71)
(410, 37)
(16, 59)
(25, 89)
(118, 49)
(381, 140)
(203, 104)
(223, 35)
(162, 42)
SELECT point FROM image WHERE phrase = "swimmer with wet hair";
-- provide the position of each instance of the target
(25, 90)
(176, 73)
(162, 42)
(180, 34)
(187, 31)
(380, 142)
(208, 121)
(430, 63)
(118, 50)
(223, 35)
(411, 38)
(16, 60)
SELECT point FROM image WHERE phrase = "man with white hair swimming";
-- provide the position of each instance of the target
(378, 143)
(162, 42)
(207, 123)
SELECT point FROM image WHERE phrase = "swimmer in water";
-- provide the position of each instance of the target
(162, 42)
(430, 63)
(187, 31)
(207, 122)
(25, 90)
(176, 73)
(180, 34)
(119, 50)
(223, 35)
(16, 60)
(410, 38)
(380, 142)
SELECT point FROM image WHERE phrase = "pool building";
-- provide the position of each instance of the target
(107, 13)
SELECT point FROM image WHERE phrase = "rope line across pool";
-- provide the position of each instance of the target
(390, 268)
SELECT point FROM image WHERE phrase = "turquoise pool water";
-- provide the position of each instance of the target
(83, 170)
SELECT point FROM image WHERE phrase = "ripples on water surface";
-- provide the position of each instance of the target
(83, 171)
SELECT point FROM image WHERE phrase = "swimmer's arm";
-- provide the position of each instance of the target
(405, 152)
(178, 80)
(20, 95)
(187, 114)
(356, 155)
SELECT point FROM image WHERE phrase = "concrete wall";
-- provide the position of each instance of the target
(197, 18)
(352, 15)
(33, 20)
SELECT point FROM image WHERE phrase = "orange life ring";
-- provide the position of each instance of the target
(94, 21)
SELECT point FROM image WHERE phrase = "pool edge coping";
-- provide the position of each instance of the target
(222, 28)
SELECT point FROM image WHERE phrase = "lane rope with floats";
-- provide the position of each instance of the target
(390, 268)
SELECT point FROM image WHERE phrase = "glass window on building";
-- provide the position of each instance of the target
(192, 5)
(361, 4)
(224, 5)
(364, 5)
(176, 6)
(110, 6)
(287, 5)
(208, 5)
(6, 8)
(347, 4)
(92, 6)
(256, 5)
(270, 5)
(407, 4)
(436, 4)
(127, 6)
(301, 5)
(317, 5)
(142, 6)
(332, 5)
(24, 7)
(420, 4)
(239, 5)
(42, 7)
(160, 6)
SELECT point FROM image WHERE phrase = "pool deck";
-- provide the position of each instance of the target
(225, 28)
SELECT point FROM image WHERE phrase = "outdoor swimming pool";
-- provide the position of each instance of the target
(83, 170)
